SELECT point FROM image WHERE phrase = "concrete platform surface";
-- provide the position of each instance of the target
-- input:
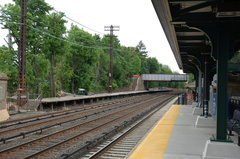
(181, 134)
(190, 139)
(155, 143)
(221, 150)
(70, 97)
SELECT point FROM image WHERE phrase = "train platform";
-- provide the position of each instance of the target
(74, 96)
(82, 99)
(183, 134)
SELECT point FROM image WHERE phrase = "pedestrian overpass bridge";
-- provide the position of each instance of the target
(165, 77)
(141, 82)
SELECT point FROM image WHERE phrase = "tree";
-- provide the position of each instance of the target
(191, 78)
(36, 16)
(9, 66)
(63, 72)
(102, 64)
(73, 59)
(101, 71)
(166, 69)
(135, 65)
(144, 65)
(82, 58)
(153, 65)
(53, 46)
(141, 49)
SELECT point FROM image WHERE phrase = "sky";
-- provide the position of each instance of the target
(137, 20)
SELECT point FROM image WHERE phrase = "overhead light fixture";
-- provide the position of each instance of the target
(228, 9)
(178, 23)
(190, 58)
(227, 14)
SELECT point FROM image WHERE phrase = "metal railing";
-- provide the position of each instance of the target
(32, 101)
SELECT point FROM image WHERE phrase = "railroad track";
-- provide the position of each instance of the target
(121, 144)
(26, 128)
(71, 138)
(10, 123)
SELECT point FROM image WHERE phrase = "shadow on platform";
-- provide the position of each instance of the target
(190, 138)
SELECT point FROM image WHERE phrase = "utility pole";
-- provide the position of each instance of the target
(22, 58)
(110, 73)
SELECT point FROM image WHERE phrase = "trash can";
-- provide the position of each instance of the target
(181, 99)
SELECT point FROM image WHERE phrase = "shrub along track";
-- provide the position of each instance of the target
(69, 139)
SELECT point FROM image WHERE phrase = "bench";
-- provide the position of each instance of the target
(234, 124)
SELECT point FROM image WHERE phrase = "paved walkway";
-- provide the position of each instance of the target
(187, 139)
(182, 134)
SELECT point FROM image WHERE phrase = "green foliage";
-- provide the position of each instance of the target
(235, 58)
(82, 59)
(9, 66)
(73, 58)
(191, 78)
(153, 65)
(36, 19)
(141, 49)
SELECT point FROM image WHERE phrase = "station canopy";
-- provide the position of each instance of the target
(181, 19)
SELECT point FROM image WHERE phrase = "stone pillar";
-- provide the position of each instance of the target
(3, 100)
(3, 91)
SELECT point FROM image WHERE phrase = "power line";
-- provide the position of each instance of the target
(68, 40)
(51, 27)
(74, 22)
(80, 23)
(65, 32)
(1, 22)
(61, 38)
(53, 35)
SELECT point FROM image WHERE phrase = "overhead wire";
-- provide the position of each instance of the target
(53, 35)
(75, 21)
(7, 16)
(55, 28)
(68, 40)
(80, 23)
(65, 32)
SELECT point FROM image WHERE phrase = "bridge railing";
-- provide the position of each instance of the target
(165, 77)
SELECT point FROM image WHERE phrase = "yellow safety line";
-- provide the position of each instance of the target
(155, 144)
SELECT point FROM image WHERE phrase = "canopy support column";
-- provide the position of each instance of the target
(199, 87)
(222, 74)
(206, 86)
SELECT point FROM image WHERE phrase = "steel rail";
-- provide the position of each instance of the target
(123, 116)
(49, 115)
(49, 136)
(127, 132)
(119, 137)
(23, 134)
